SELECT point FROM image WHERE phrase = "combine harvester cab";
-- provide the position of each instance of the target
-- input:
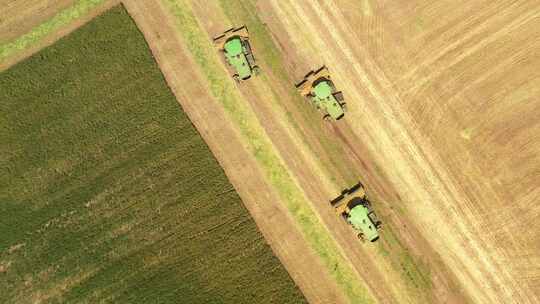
(319, 88)
(234, 43)
(354, 207)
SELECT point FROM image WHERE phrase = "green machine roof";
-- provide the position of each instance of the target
(324, 99)
(234, 52)
(359, 218)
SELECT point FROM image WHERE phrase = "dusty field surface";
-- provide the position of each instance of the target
(444, 98)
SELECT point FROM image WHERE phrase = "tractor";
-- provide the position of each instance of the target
(319, 88)
(234, 43)
(354, 207)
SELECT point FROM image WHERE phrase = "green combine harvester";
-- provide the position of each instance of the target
(234, 43)
(355, 208)
(319, 88)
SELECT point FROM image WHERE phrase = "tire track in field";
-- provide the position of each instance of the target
(411, 87)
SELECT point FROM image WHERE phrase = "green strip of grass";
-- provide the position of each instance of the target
(61, 19)
(223, 89)
(107, 192)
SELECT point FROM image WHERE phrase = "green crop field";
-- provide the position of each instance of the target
(107, 192)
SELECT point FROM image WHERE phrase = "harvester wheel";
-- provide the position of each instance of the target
(236, 78)
(256, 70)
(327, 117)
(361, 237)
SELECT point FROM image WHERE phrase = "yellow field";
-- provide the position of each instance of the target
(445, 97)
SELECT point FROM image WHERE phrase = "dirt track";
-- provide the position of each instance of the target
(445, 98)
(19, 17)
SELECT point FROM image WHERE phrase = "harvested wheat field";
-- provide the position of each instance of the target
(442, 127)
